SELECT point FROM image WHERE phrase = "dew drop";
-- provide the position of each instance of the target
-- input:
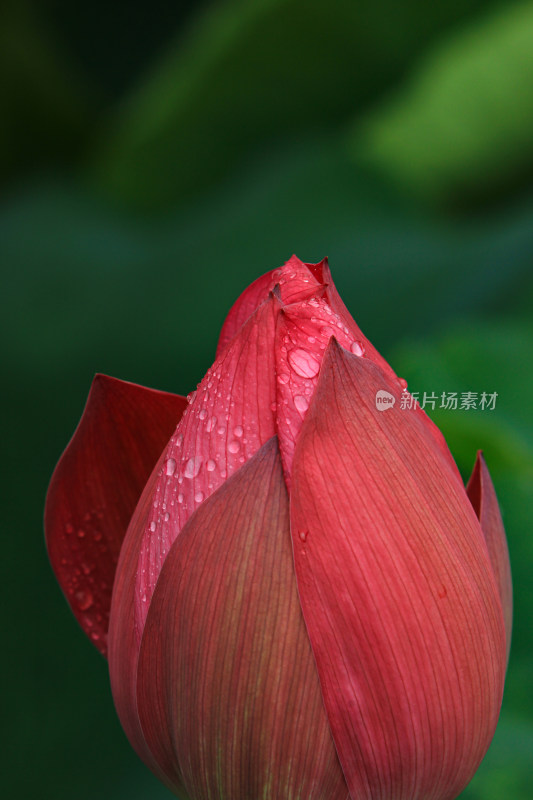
(202, 414)
(179, 439)
(152, 527)
(357, 348)
(95, 636)
(301, 402)
(283, 378)
(303, 363)
(210, 466)
(166, 517)
(238, 431)
(81, 534)
(199, 496)
(303, 536)
(180, 498)
(210, 424)
(69, 528)
(171, 466)
(233, 447)
(84, 599)
(192, 467)
(403, 383)
(86, 568)
(273, 406)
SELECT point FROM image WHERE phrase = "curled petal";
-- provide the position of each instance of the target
(95, 487)
(482, 495)
(229, 698)
(397, 591)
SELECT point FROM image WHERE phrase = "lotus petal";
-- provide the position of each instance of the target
(229, 697)
(95, 488)
(482, 494)
(397, 591)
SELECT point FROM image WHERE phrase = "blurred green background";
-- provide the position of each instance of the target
(154, 159)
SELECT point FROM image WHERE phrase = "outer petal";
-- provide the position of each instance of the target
(229, 697)
(482, 495)
(397, 592)
(123, 645)
(242, 378)
(229, 417)
(95, 487)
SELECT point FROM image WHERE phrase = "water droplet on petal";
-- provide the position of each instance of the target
(210, 424)
(303, 363)
(238, 431)
(166, 517)
(83, 599)
(81, 534)
(171, 466)
(199, 496)
(301, 402)
(403, 383)
(283, 378)
(233, 447)
(303, 536)
(69, 527)
(180, 498)
(192, 467)
(357, 348)
(202, 414)
(152, 527)
(210, 466)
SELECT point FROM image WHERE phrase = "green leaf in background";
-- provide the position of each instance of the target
(45, 105)
(252, 74)
(506, 771)
(464, 123)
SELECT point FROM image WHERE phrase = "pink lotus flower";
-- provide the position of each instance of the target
(300, 599)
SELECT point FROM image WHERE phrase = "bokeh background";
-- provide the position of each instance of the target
(154, 159)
